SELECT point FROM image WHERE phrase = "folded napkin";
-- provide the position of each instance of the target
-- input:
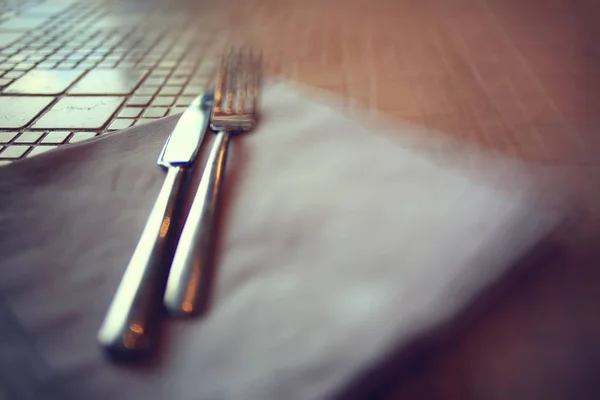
(338, 245)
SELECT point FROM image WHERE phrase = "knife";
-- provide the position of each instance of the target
(131, 322)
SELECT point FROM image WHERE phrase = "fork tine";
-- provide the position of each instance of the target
(230, 81)
(256, 61)
(236, 90)
(237, 79)
(243, 87)
(219, 85)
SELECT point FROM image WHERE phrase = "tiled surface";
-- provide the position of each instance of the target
(46, 9)
(22, 23)
(119, 124)
(108, 82)
(39, 150)
(16, 112)
(498, 74)
(494, 73)
(484, 72)
(29, 137)
(81, 136)
(152, 54)
(55, 137)
(7, 38)
(6, 137)
(83, 112)
(14, 152)
(43, 82)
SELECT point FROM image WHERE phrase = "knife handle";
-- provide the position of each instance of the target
(132, 320)
(183, 293)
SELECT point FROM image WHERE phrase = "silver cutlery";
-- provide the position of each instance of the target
(234, 111)
(132, 319)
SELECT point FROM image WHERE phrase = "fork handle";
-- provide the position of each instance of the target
(131, 323)
(183, 293)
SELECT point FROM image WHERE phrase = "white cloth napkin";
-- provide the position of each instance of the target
(337, 246)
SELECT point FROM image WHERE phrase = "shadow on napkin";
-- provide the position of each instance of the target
(408, 362)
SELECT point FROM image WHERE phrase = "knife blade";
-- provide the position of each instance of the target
(182, 145)
(130, 326)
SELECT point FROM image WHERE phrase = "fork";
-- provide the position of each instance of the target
(234, 112)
